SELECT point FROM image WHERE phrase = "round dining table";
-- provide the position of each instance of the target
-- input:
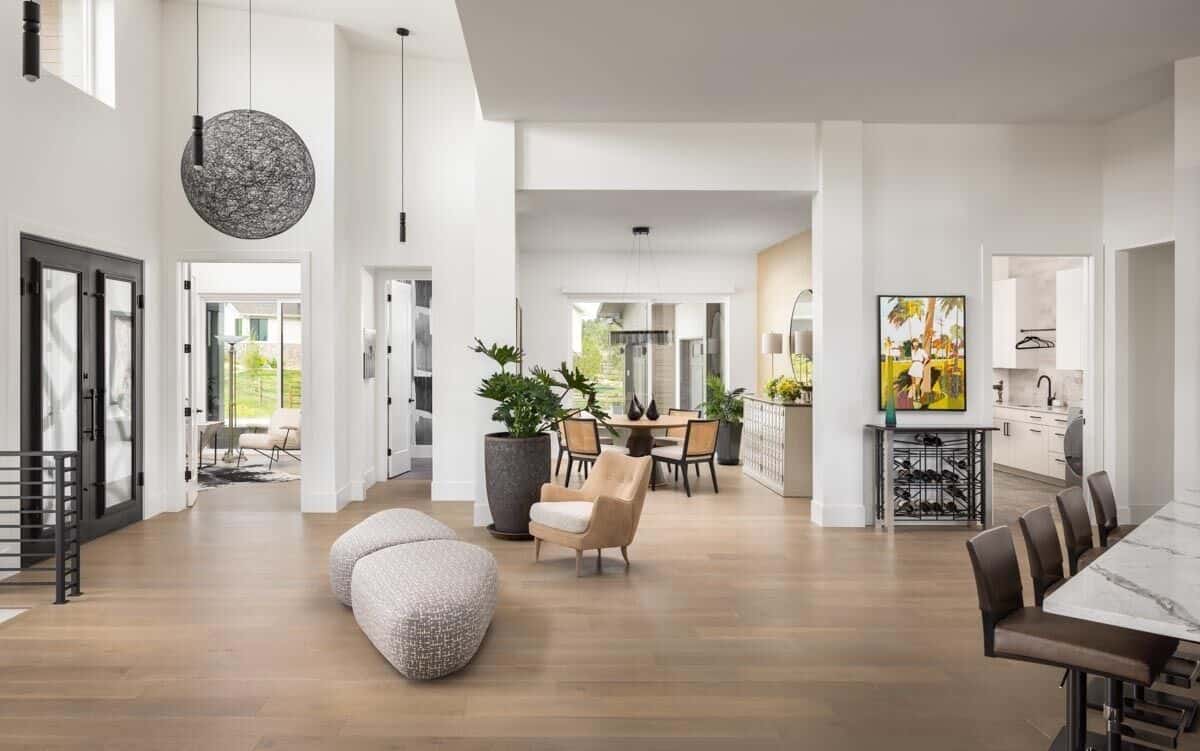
(641, 437)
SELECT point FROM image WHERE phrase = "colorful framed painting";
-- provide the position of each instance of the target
(923, 353)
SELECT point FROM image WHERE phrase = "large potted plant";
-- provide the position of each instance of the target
(516, 462)
(725, 406)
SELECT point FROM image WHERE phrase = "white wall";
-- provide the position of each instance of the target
(1145, 351)
(290, 56)
(1187, 272)
(76, 170)
(440, 201)
(246, 278)
(666, 156)
(1138, 177)
(545, 277)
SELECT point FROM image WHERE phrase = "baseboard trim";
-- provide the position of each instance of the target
(829, 515)
(324, 502)
(482, 515)
(452, 490)
(357, 491)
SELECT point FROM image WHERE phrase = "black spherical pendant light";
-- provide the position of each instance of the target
(251, 176)
(258, 177)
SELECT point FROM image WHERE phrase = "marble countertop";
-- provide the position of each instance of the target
(1148, 581)
(1034, 408)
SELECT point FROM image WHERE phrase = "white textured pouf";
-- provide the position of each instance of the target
(382, 530)
(427, 605)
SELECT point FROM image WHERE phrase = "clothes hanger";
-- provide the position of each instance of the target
(1033, 341)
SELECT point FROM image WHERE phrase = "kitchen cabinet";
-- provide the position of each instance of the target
(1030, 440)
(1070, 310)
(1011, 310)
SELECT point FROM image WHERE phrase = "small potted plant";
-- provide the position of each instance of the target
(788, 389)
(725, 406)
(772, 388)
(517, 460)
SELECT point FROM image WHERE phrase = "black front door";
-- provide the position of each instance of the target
(81, 374)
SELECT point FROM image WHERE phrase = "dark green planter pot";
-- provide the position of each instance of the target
(729, 443)
(514, 471)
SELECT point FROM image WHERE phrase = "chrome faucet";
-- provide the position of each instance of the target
(1049, 385)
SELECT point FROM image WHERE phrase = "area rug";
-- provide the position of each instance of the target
(227, 474)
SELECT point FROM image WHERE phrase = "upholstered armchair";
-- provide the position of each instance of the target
(604, 513)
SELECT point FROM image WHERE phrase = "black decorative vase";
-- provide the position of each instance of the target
(514, 471)
(729, 443)
(652, 411)
(635, 409)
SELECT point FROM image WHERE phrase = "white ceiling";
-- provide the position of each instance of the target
(556, 221)
(371, 24)
(807, 60)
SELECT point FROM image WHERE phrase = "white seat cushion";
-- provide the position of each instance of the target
(263, 441)
(568, 516)
(669, 452)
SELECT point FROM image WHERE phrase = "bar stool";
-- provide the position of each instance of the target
(1104, 503)
(1077, 529)
(1046, 570)
(1015, 632)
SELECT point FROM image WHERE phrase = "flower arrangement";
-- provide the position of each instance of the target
(785, 389)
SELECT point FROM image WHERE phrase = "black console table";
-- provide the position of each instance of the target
(931, 475)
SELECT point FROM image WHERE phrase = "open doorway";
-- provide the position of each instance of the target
(406, 380)
(244, 363)
(1041, 344)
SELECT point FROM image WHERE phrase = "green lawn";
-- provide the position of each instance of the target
(258, 392)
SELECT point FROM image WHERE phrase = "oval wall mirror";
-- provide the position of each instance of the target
(800, 337)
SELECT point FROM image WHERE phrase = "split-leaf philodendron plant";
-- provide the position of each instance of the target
(531, 404)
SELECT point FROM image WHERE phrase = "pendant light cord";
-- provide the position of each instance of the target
(197, 57)
(250, 53)
(403, 161)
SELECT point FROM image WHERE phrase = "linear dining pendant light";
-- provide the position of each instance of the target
(647, 335)
(403, 32)
(31, 50)
(198, 119)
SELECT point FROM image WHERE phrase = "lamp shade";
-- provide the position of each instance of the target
(802, 343)
(772, 344)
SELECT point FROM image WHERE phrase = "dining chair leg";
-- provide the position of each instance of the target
(625, 554)
(570, 464)
(676, 471)
(712, 468)
(537, 548)
(586, 464)
(697, 471)
(578, 563)
(687, 487)
(653, 473)
(240, 454)
(558, 464)
(598, 559)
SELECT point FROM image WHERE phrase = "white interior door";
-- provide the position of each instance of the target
(399, 375)
(191, 404)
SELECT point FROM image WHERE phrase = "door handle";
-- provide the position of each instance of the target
(1034, 430)
(90, 396)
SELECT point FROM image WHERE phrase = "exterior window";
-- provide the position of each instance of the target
(258, 329)
(78, 44)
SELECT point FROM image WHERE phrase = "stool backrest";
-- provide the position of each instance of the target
(997, 578)
(1045, 552)
(681, 431)
(582, 436)
(701, 437)
(1104, 502)
(1077, 526)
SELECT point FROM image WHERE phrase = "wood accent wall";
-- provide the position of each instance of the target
(784, 270)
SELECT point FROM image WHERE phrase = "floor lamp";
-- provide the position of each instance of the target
(231, 405)
(772, 344)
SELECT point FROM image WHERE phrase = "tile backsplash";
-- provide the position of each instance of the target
(1020, 386)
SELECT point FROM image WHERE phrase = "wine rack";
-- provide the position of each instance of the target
(937, 475)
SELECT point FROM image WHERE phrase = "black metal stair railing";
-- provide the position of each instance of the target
(39, 521)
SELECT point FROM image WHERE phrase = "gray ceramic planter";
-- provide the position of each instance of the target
(514, 471)
(729, 443)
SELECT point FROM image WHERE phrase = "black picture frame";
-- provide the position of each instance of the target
(882, 405)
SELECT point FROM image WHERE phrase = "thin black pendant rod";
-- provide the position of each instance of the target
(197, 118)
(403, 32)
(31, 59)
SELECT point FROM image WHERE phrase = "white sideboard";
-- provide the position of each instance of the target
(777, 445)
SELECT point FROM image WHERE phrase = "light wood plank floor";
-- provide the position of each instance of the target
(740, 625)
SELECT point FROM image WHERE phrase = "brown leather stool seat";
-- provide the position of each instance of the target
(1034, 635)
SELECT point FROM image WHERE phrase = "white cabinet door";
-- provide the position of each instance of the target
(1029, 448)
(1010, 314)
(1001, 443)
(1070, 298)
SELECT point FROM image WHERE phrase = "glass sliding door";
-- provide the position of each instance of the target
(81, 323)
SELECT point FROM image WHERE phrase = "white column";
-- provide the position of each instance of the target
(842, 364)
(1187, 276)
(495, 270)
